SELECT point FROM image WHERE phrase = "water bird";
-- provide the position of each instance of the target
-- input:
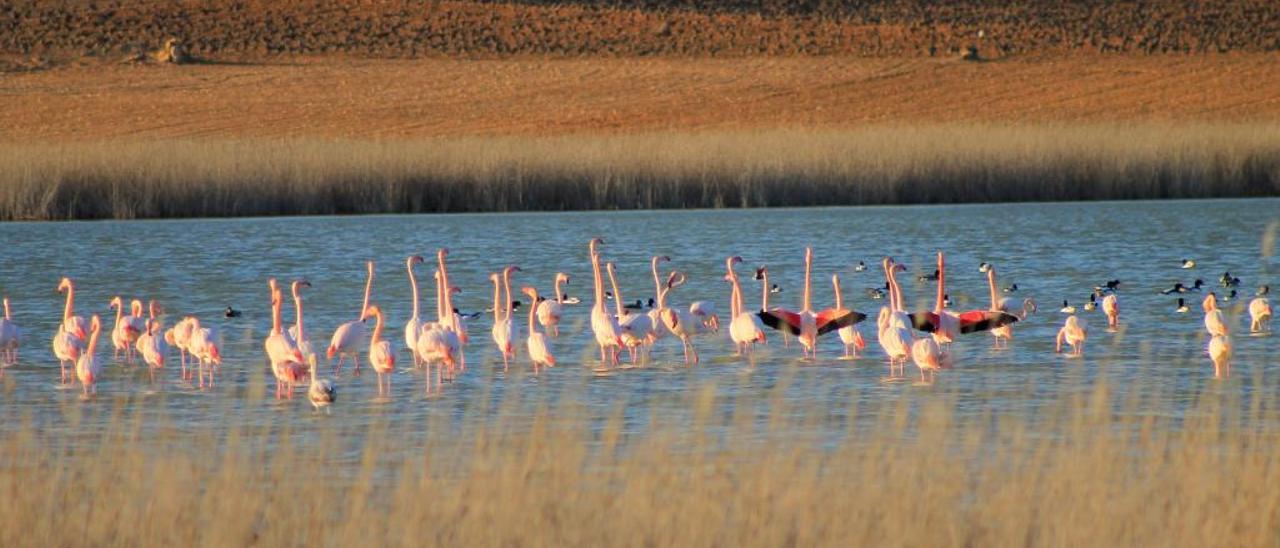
(1231, 282)
(655, 313)
(1230, 296)
(603, 324)
(984, 267)
(745, 328)
(1109, 286)
(70, 339)
(850, 338)
(88, 367)
(381, 357)
(1011, 288)
(1214, 320)
(775, 289)
(679, 322)
(503, 330)
(1111, 307)
(1188, 263)
(636, 330)
(321, 393)
(127, 328)
(1067, 308)
(151, 345)
(348, 336)
(1220, 352)
(946, 300)
(1177, 288)
(1074, 332)
(1093, 302)
(639, 305)
(860, 267)
(1262, 291)
(570, 300)
(413, 327)
(1259, 315)
(549, 311)
(539, 352)
(1182, 306)
(230, 313)
(928, 277)
(806, 324)
(1197, 285)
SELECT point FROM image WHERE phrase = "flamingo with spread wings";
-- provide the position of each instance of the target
(806, 324)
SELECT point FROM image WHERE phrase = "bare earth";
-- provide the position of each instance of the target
(361, 98)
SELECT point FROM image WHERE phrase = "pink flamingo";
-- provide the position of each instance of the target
(437, 342)
(636, 330)
(503, 326)
(895, 336)
(125, 333)
(850, 337)
(69, 341)
(10, 338)
(1220, 352)
(1111, 307)
(807, 325)
(88, 367)
(680, 323)
(381, 356)
(1259, 315)
(745, 328)
(549, 312)
(151, 345)
(539, 353)
(1073, 332)
(655, 314)
(1003, 332)
(413, 327)
(603, 324)
(454, 320)
(1214, 321)
(204, 348)
(348, 336)
(179, 336)
(286, 360)
(945, 325)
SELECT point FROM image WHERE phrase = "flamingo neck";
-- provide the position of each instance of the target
(533, 311)
(297, 308)
(617, 295)
(808, 267)
(659, 294)
(497, 300)
(119, 311)
(835, 284)
(6, 309)
(275, 315)
(69, 309)
(506, 288)
(94, 330)
(764, 292)
(413, 282)
(559, 294)
(377, 327)
(368, 288)
(991, 286)
(942, 284)
(599, 281)
(439, 299)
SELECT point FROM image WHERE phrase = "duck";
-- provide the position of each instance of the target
(1011, 288)
(231, 313)
(860, 267)
(1229, 296)
(570, 300)
(1231, 282)
(775, 289)
(877, 293)
(1182, 306)
(638, 305)
(946, 300)
(1197, 285)
(1188, 263)
(1093, 302)
(1109, 286)
(929, 277)
(984, 267)
(1177, 288)
(515, 305)
(1262, 291)
(1067, 308)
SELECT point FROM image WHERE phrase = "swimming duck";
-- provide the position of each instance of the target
(946, 300)
(231, 313)
(1093, 302)
(1177, 288)
(570, 300)
(1262, 291)
(860, 267)
(1188, 263)
(1197, 285)
(775, 289)
(929, 277)
(1229, 296)
(1182, 306)
(1230, 281)
(1012, 288)
(1067, 308)
(1109, 286)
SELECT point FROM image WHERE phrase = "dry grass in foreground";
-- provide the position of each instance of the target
(1093, 469)
(192, 178)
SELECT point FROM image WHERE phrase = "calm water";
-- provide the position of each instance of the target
(1052, 251)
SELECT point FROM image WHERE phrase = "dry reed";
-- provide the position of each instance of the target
(1094, 468)
(879, 165)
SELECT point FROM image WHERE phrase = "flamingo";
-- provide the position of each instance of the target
(347, 337)
(745, 328)
(635, 328)
(204, 348)
(705, 312)
(151, 345)
(945, 326)
(762, 275)
(88, 367)
(381, 356)
(125, 333)
(301, 340)
(414, 326)
(894, 336)
(286, 360)
(605, 326)
(807, 325)
(1073, 332)
(1259, 315)
(1004, 332)
(684, 325)
(321, 393)
(539, 353)
(1214, 321)
(850, 337)
(1111, 307)
(927, 355)
(69, 341)
(437, 342)
(503, 327)
(10, 338)
(549, 311)
(655, 313)
(454, 320)
(1220, 352)
(179, 336)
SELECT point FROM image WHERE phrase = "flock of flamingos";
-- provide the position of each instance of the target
(439, 344)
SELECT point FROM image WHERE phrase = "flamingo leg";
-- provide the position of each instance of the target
(337, 370)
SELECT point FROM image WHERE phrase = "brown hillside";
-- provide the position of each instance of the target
(407, 28)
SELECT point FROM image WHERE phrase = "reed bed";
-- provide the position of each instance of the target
(1096, 467)
(879, 165)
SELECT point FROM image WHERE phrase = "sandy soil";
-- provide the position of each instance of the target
(360, 98)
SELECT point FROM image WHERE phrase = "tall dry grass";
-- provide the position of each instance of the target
(881, 165)
(1094, 468)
